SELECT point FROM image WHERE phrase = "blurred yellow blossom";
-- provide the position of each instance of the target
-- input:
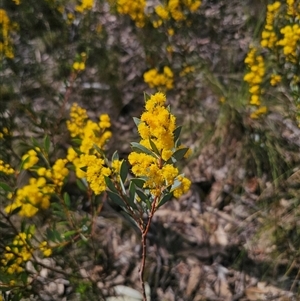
(31, 158)
(133, 8)
(163, 81)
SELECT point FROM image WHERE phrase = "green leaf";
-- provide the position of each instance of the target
(165, 199)
(110, 184)
(59, 213)
(50, 234)
(67, 200)
(179, 154)
(154, 148)
(5, 187)
(176, 185)
(138, 182)
(123, 171)
(47, 144)
(69, 233)
(148, 204)
(141, 149)
(132, 191)
(56, 206)
(81, 185)
(23, 276)
(141, 195)
(146, 96)
(15, 211)
(137, 121)
(99, 150)
(177, 132)
(77, 141)
(115, 156)
(116, 198)
(35, 142)
(23, 162)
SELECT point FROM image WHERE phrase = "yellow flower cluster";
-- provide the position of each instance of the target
(275, 79)
(163, 81)
(95, 172)
(268, 37)
(291, 37)
(32, 197)
(84, 6)
(56, 174)
(45, 249)
(186, 70)
(6, 168)
(175, 9)
(78, 120)
(255, 75)
(79, 64)
(293, 9)
(6, 28)
(133, 8)
(90, 133)
(31, 158)
(157, 124)
(5, 132)
(18, 254)
(258, 112)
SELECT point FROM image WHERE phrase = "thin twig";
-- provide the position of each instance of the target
(144, 247)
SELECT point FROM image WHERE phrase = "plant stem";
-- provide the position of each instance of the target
(144, 232)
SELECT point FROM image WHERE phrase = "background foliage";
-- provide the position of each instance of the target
(230, 72)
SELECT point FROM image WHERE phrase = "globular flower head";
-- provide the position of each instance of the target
(156, 128)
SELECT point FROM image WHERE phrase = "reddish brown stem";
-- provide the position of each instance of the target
(144, 232)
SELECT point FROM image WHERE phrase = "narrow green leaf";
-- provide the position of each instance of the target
(59, 213)
(148, 204)
(165, 199)
(67, 200)
(140, 148)
(15, 211)
(154, 148)
(23, 162)
(57, 235)
(179, 154)
(177, 132)
(110, 184)
(81, 185)
(116, 198)
(50, 235)
(99, 150)
(132, 190)
(23, 276)
(141, 195)
(123, 171)
(177, 143)
(115, 156)
(138, 182)
(47, 144)
(137, 121)
(77, 141)
(146, 96)
(56, 206)
(5, 187)
(176, 185)
(35, 142)
(69, 233)
(131, 199)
